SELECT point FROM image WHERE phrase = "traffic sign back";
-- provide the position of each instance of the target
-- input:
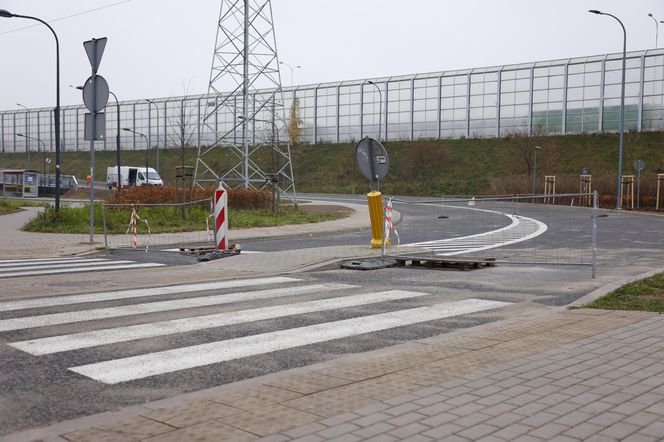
(95, 49)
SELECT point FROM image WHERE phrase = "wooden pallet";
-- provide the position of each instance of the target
(455, 262)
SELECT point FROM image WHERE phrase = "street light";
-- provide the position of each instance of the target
(27, 137)
(380, 108)
(150, 133)
(6, 14)
(147, 149)
(656, 29)
(27, 130)
(292, 71)
(535, 149)
(622, 107)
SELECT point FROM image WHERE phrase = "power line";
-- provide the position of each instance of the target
(66, 17)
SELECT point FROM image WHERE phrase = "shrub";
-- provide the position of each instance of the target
(237, 198)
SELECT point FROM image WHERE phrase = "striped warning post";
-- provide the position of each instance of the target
(220, 217)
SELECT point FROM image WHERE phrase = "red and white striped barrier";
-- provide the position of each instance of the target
(389, 226)
(132, 229)
(220, 217)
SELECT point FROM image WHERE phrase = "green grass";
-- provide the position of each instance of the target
(11, 206)
(644, 295)
(424, 167)
(163, 219)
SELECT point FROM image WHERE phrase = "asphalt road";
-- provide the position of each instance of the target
(163, 343)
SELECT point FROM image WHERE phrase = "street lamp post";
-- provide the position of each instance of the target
(656, 29)
(152, 103)
(27, 137)
(380, 108)
(622, 107)
(147, 149)
(535, 149)
(6, 14)
(27, 130)
(292, 71)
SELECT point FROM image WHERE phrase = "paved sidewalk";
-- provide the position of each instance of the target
(567, 375)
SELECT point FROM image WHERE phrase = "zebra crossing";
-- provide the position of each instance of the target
(11, 268)
(99, 326)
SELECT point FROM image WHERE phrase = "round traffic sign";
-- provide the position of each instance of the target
(372, 159)
(95, 93)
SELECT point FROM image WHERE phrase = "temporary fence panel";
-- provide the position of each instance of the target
(144, 226)
(511, 229)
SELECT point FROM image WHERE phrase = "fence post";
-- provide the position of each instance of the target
(594, 232)
(103, 220)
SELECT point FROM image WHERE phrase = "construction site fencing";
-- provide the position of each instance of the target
(185, 225)
(508, 229)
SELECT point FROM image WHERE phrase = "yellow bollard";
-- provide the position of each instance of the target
(375, 200)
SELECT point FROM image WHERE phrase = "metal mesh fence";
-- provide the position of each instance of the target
(183, 225)
(540, 229)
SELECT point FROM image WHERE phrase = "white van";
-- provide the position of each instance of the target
(132, 176)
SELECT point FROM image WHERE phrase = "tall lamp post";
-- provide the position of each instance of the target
(27, 130)
(535, 149)
(27, 137)
(292, 71)
(622, 107)
(380, 108)
(152, 103)
(6, 14)
(656, 29)
(147, 149)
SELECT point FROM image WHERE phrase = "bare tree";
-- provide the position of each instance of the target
(182, 130)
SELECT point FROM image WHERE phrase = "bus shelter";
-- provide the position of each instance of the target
(22, 183)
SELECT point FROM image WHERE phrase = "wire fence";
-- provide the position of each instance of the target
(186, 225)
(533, 229)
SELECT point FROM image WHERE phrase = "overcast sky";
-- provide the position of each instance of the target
(158, 48)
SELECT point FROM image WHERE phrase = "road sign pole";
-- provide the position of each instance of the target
(92, 163)
(95, 97)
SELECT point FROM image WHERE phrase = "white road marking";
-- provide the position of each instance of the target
(139, 367)
(81, 269)
(8, 262)
(153, 307)
(66, 265)
(138, 293)
(528, 228)
(76, 341)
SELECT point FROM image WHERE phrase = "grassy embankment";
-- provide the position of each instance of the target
(428, 167)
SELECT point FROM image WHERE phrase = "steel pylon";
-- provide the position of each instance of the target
(245, 93)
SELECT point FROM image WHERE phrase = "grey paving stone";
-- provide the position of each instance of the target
(409, 430)
(417, 438)
(339, 419)
(638, 437)
(401, 409)
(439, 419)
(443, 432)
(548, 431)
(607, 418)
(309, 438)
(655, 429)
(477, 431)
(364, 411)
(374, 430)
(406, 419)
(305, 429)
(620, 430)
(513, 431)
(337, 430)
(345, 438)
(371, 419)
(583, 431)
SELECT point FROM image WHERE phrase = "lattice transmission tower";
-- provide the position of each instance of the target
(245, 108)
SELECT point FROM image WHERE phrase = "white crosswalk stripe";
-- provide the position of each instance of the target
(153, 360)
(11, 268)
